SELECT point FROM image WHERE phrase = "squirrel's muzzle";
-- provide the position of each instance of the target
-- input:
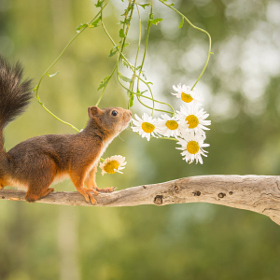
(127, 116)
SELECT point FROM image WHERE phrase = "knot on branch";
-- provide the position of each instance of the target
(177, 189)
(197, 193)
(221, 195)
(158, 200)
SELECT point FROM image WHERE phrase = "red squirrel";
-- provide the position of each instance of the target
(34, 164)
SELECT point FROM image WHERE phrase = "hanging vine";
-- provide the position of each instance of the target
(187, 125)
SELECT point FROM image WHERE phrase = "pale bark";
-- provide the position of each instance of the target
(259, 194)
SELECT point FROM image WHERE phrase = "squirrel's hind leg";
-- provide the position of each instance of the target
(3, 184)
(34, 194)
(39, 185)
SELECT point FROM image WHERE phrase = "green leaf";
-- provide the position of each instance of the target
(126, 21)
(181, 23)
(113, 51)
(142, 92)
(129, 8)
(156, 21)
(125, 63)
(126, 79)
(144, 5)
(131, 99)
(52, 75)
(104, 83)
(94, 23)
(121, 33)
(81, 26)
(99, 3)
(144, 76)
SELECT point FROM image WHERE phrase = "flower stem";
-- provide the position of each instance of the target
(36, 89)
(195, 27)
(166, 138)
(145, 53)
(103, 91)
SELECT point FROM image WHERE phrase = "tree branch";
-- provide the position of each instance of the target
(259, 194)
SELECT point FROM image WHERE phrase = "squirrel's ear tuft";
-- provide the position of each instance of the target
(93, 111)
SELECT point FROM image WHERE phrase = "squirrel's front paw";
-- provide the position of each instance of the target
(105, 190)
(88, 196)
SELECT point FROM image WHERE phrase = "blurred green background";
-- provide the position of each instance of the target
(241, 88)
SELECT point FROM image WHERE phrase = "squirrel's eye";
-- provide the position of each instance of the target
(114, 113)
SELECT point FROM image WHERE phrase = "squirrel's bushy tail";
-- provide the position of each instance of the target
(15, 94)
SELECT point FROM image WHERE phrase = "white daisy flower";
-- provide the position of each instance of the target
(187, 134)
(193, 148)
(168, 126)
(146, 127)
(193, 118)
(186, 94)
(113, 164)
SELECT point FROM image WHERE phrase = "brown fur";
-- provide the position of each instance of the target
(36, 163)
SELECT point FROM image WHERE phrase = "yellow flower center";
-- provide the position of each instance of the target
(192, 121)
(111, 166)
(148, 127)
(171, 124)
(192, 147)
(186, 97)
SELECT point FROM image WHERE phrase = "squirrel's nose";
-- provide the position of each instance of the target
(128, 115)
